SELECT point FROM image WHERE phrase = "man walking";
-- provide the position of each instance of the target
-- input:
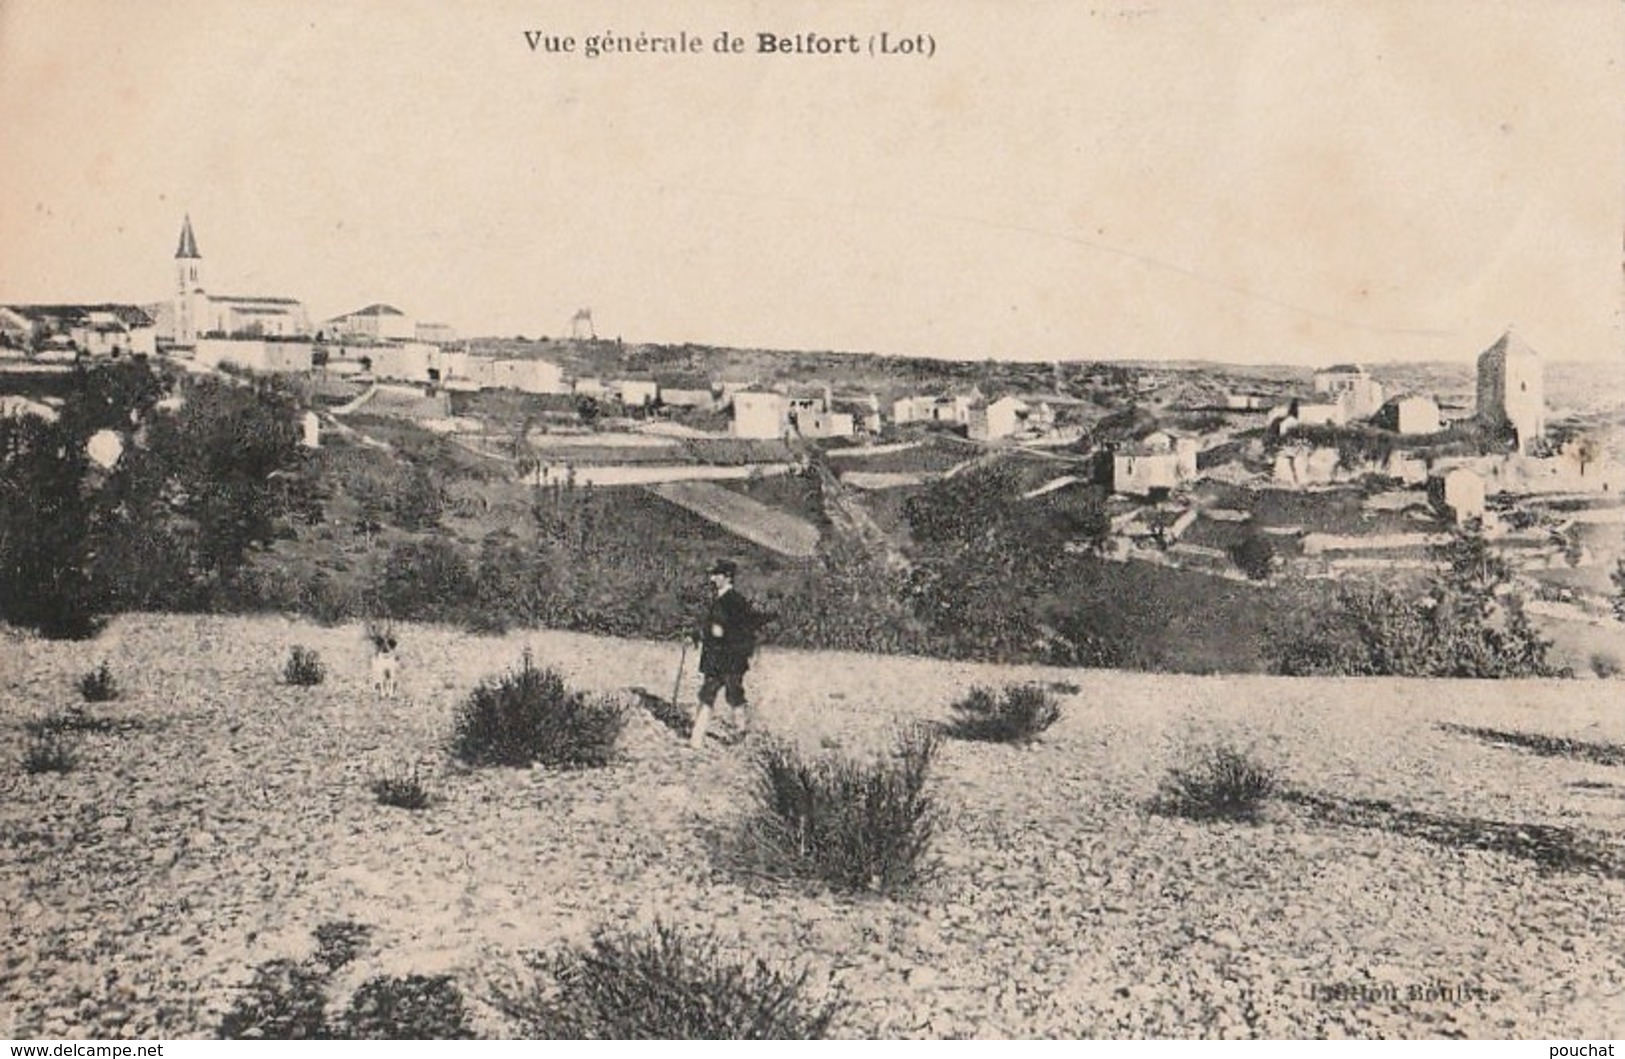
(727, 639)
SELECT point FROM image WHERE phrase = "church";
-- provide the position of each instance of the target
(193, 313)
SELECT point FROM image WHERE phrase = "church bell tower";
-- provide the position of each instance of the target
(188, 285)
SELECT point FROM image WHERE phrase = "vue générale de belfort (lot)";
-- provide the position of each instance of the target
(883, 44)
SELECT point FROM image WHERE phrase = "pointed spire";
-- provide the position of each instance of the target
(188, 247)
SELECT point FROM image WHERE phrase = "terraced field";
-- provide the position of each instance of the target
(769, 527)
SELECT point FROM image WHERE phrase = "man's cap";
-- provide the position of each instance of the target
(726, 567)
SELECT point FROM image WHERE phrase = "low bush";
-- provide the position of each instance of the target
(530, 717)
(856, 825)
(415, 1007)
(1254, 555)
(286, 1000)
(303, 668)
(1605, 665)
(77, 719)
(340, 941)
(48, 752)
(98, 685)
(1218, 783)
(1019, 715)
(663, 985)
(402, 790)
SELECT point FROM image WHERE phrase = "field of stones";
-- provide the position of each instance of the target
(1430, 859)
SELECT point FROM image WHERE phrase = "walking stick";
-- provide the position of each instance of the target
(677, 688)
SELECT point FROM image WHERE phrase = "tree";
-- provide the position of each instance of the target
(1254, 556)
(986, 560)
(1466, 624)
(46, 522)
(217, 478)
(419, 501)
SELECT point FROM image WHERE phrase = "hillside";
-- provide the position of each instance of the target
(226, 816)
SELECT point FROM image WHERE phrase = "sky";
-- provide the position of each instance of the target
(1269, 181)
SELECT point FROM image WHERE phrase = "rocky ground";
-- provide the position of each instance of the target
(231, 815)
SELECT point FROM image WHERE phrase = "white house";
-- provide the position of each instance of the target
(14, 407)
(94, 330)
(1351, 386)
(635, 393)
(823, 423)
(688, 398)
(759, 414)
(526, 376)
(999, 419)
(1409, 414)
(1159, 461)
(377, 322)
(1457, 493)
(921, 409)
(255, 354)
(408, 361)
(1303, 465)
(1319, 414)
(447, 364)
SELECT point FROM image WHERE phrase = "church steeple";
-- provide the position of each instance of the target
(189, 296)
(188, 247)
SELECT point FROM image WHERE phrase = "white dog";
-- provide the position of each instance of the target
(386, 667)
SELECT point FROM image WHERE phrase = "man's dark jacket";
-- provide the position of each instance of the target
(730, 652)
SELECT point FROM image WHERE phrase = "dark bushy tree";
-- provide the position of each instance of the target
(47, 523)
(426, 580)
(990, 565)
(1466, 625)
(204, 487)
(977, 558)
(1254, 556)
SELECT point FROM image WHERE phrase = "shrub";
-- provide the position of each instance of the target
(857, 825)
(98, 685)
(1254, 556)
(663, 985)
(285, 1001)
(340, 941)
(76, 719)
(1019, 715)
(1219, 782)
(411, 1008)
(402, 790)
(304, 668)
(1373, 630)
(531, 717)
(1605, 665)
(426, 580)
(47, 752)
